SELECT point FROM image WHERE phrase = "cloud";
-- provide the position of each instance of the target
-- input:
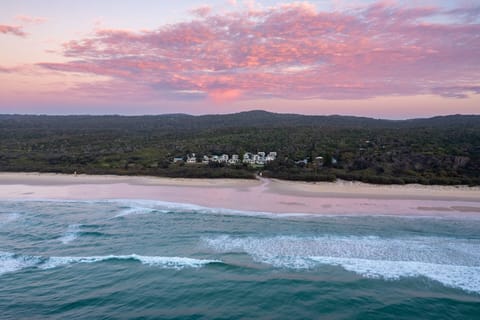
(290, 51)
(469, 14)
(29, 19)
(202, 11)
(6, 69)
(459, 92)
(13, 30)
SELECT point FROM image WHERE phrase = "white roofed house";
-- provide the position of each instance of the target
(234, 159)
(191, 158)
(177, 159)
(271, 157)
(224, 158)
(260, 158)
(206, 160)
(303, 162)
(319, 161)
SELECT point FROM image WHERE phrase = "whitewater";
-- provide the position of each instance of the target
(153, 259)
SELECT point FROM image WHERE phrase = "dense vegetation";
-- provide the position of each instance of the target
(440, 150)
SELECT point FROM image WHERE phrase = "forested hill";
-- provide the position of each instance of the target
(256, 118)
(441, 150)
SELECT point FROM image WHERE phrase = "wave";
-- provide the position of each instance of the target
(139, 207)
(71, 234)
(135, 211)
(11, 217)
(157, 261)
(452, 262)
(10, 262)
(128, 207)
(454, 276)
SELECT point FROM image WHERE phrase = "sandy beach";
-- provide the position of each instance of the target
(261, 195)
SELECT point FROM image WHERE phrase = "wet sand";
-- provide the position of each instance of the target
(261, 195)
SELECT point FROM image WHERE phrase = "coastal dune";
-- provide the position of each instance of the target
(260, 195)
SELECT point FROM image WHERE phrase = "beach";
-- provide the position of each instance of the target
(260, 195)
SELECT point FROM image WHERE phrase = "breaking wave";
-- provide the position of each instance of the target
(157, 261)
(453, 262)
(10, 262)
(71, 234)
(9, 218)
(139, 207)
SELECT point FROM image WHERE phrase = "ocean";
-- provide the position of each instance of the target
(131, 259)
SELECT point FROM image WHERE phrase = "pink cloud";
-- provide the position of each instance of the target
(7, 69)
(29, 19)
(224, 95)
(290, 51)
(13, 30)
(202, 11)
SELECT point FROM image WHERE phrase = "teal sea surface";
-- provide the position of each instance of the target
(127, 259)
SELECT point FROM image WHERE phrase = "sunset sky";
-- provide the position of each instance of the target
(386, 59)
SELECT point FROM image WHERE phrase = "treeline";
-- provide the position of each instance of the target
(440, 150)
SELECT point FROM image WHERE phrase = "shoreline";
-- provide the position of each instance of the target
(41, 178)
(260, 195)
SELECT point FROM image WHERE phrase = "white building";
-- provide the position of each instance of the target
(247, 157)
(260, 158)
(224, 158)
(271, 156)
(191, 158)
(234, 159)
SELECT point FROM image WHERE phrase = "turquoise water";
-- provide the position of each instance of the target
(153, 260)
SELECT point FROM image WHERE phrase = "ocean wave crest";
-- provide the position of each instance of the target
(10, 262)
(71, 233)
(452, 262)
(8, 218)
(139, 207)
(157, 261)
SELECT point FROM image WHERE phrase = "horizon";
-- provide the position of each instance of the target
(371, 58)
(233, 113)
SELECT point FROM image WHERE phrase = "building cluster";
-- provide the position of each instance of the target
(259, 158)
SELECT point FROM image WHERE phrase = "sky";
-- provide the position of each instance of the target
(378, 58)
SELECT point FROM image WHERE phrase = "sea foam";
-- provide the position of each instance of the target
(157, 261)
(10, 262)
(8, 218)
(129, 207)
(450, 261)
(71, 233)
(141, 207)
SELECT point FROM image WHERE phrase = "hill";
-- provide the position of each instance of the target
(440, 150)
